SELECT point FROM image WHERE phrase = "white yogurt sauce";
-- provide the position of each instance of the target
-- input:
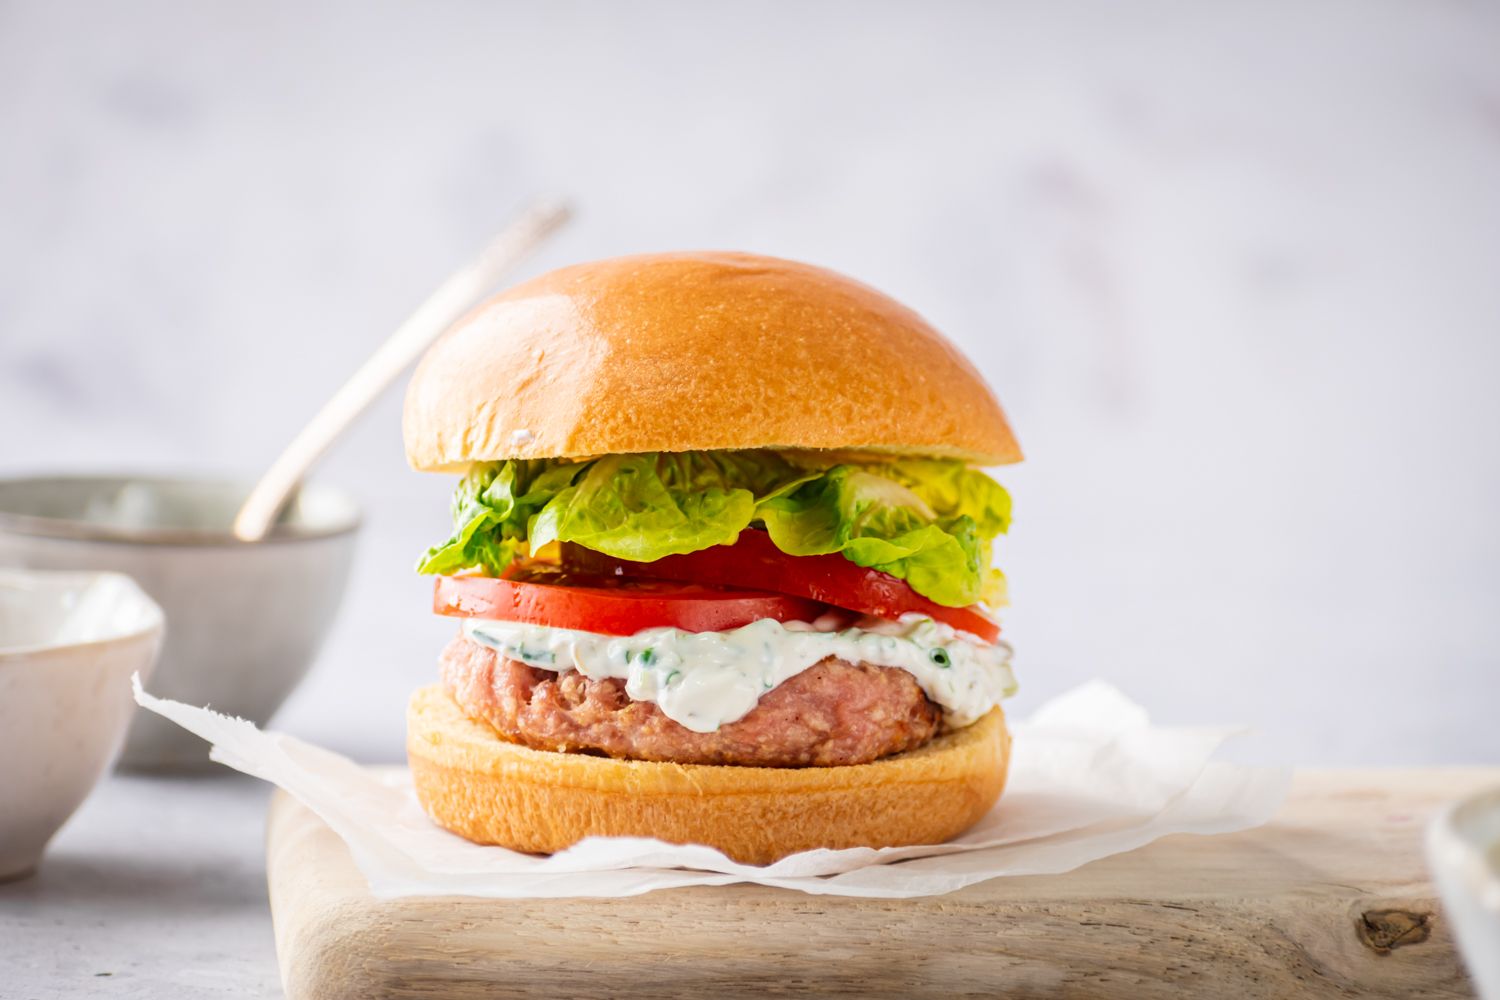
(704, 680)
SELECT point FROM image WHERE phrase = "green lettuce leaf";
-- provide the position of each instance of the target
(930, 522)
(492, 508)
(952, 490)
(869, 517)
(644, 507)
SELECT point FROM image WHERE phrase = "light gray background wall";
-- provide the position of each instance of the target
(1234, 269)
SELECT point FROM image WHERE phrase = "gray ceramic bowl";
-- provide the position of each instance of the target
(244, 621)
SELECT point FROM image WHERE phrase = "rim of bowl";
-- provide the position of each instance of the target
(155, 625)
(71, 529)
(1475, 819)
(1454, 833)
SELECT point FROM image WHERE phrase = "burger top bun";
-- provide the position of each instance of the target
(696, 351)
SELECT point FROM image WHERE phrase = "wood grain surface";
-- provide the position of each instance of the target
(1331, 899)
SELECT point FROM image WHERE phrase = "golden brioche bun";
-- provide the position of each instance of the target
(493, 792)
(696, 351)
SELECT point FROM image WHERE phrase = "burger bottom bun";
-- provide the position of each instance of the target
(492, 792)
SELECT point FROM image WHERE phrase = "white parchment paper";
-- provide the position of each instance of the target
(1090, 777)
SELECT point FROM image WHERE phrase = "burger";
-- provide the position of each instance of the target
(720, 564)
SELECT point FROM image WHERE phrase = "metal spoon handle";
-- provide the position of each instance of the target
(451, 300)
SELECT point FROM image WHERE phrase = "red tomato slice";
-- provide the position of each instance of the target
(755, 561)
(611, 605)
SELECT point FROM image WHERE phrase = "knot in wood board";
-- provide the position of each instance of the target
(1384, 930)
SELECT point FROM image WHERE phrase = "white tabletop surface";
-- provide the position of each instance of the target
(156, 888)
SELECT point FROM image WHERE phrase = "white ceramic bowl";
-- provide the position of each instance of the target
(244, 621)
(1463, 850)
(68, 645)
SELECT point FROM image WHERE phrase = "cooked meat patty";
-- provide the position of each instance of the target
(833, 713)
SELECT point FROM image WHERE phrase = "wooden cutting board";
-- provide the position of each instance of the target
(1330, 899)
